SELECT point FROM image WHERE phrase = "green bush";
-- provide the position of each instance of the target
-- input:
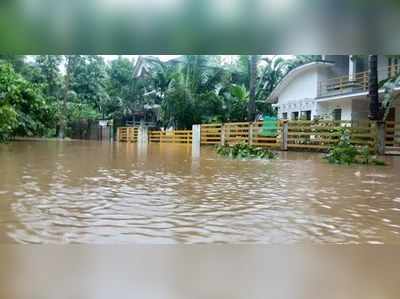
(23, 110)
(346, 153)
(8, 122)
(243, 150)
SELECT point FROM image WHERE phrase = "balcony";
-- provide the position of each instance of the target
(359, 82)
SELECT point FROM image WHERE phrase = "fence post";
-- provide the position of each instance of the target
(222, 134)
(284, 135)
(250, 134)
(118, 134)
(128, 134)
(143, 134)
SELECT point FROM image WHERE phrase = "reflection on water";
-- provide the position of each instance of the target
(89, 192)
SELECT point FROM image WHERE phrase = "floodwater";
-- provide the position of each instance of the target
(95, 193)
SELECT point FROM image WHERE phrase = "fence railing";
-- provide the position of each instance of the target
(392, 133)
(300, 134)
(127, 134)
(311, 135)
(210, 134)
(323, 134)
(359, 82)
(176, 136)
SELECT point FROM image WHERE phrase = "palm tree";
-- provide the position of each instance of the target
(251, 109)
(373, 87)
(194, 80)
(299, 60)
(273, 72)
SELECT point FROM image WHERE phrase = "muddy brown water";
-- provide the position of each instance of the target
(94, 193)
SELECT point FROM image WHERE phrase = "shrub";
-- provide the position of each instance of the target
(243, 150)
(23, 110)
(346, 153)
(8, 122)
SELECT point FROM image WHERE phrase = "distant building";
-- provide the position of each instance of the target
(335, 88)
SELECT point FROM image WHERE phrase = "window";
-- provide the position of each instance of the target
(337, 114)
(284, 115)
(295, 115)
(306, 115)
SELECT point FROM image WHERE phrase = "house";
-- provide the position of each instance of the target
(334, 88)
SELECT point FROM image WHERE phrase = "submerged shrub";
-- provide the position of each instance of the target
(346, 153)
(243, 150)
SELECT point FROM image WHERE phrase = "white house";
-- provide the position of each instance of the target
(335, 87)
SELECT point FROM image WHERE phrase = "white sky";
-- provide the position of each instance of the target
(108, 58)
(162, 57)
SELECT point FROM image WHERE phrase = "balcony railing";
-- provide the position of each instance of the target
(359, 82)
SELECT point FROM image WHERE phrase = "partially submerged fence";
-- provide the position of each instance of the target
(231, 133)
(323, 134)
(210, 134)
(176, 136)
(307, 135)
(90, 130)
(290, 134)
(392, 133)
(127, 134)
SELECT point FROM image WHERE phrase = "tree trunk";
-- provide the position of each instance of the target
(373, 87)
(63, 120)
(251, 109)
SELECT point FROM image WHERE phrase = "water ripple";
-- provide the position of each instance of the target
(101, 193)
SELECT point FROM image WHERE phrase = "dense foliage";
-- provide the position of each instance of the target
(23, 109)
(346, 153)
(244, 151)
(44, 95)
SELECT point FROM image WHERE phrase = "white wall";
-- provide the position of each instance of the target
(304, 86)
(299, 95)
(360, 109)
(382, 67)
(328, 107)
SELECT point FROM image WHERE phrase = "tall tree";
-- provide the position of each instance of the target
(192, 91)
(96, 76)
(49, 66)
(251, 110)
(373, 87)
(67, 81)
(17, 61)
(23, 110)
(119, 84)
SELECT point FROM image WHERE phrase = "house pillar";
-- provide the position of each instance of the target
(143, 134)
(352, 67)
(196, 139)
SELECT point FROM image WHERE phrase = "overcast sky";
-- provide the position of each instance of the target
(162, 57)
